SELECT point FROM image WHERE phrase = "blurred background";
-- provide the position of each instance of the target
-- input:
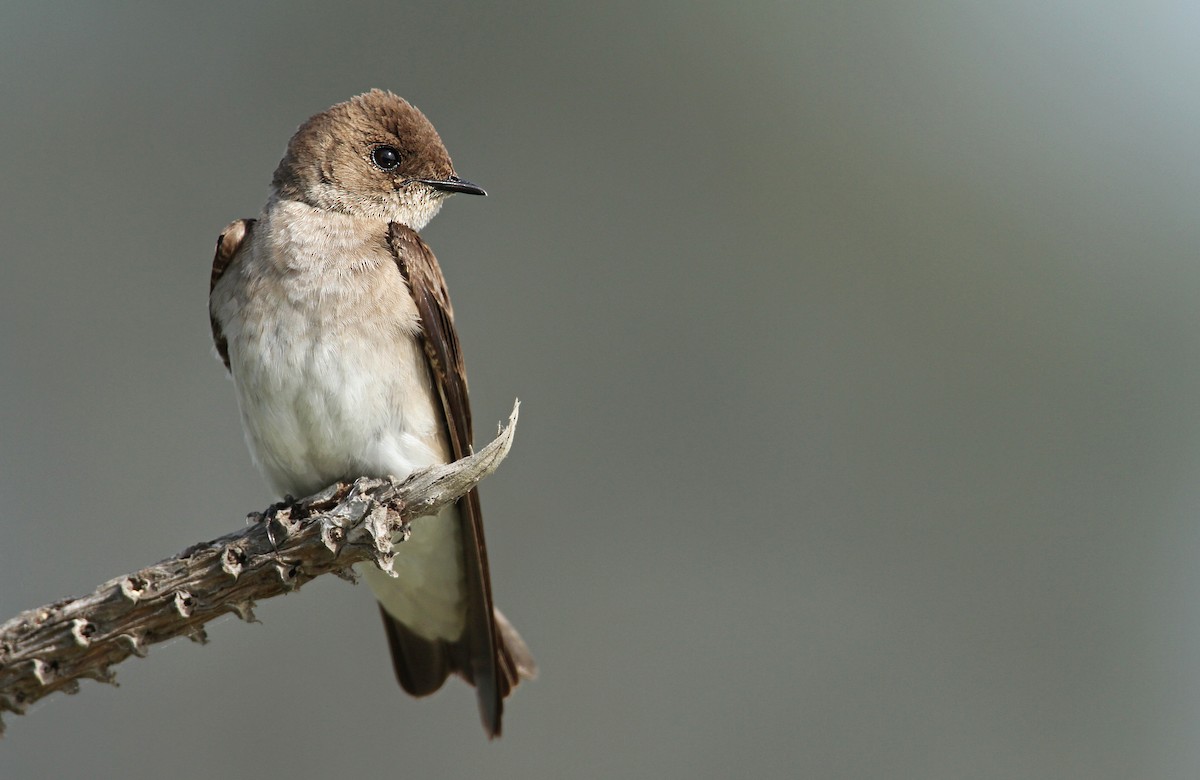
(856, 345)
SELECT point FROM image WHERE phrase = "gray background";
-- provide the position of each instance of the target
(856, 342)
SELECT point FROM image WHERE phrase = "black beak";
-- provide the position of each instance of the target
(453, 184)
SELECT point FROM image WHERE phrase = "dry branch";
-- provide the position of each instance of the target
(50, 648)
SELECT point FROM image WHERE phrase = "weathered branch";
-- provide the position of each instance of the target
(50, 648)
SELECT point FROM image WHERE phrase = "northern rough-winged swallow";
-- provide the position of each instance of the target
(331, 315)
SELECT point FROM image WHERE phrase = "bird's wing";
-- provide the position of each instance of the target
(230, 241)
(419, 662)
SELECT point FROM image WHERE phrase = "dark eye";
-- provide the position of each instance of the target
(386, 157)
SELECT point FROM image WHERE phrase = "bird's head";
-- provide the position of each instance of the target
(374, 156)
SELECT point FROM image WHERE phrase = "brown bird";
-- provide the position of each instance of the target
(332, 316)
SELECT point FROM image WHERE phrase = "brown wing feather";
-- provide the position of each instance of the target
(479, 660)
(228, 243)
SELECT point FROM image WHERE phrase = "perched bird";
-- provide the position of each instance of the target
(332, 316)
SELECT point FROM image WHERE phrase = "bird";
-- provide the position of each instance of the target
(332, 317)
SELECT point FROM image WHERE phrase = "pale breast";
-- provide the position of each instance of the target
(325, 354)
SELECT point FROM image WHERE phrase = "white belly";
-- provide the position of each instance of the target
(321, 407)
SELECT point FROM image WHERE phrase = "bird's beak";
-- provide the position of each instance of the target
(453, 184)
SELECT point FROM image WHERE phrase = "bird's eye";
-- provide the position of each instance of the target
(386, 157)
